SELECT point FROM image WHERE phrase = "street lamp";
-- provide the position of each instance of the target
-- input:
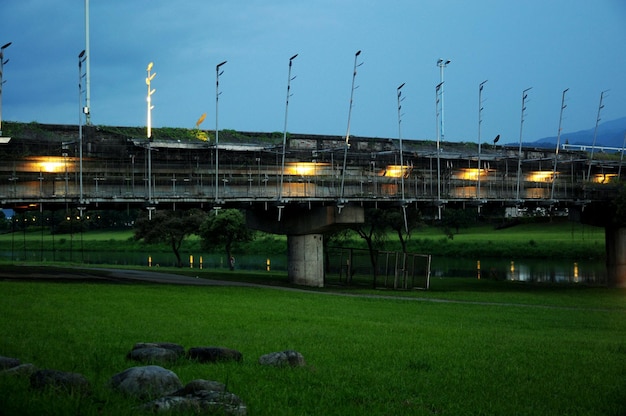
(480, 120)
(282, 170)
(2, 62)
(87, 68)
(347, 144)
(558, 142)
(442, 63)
(149, 77)
(595, 133)
(521, 127)
(400, 99)
(81, 110)
(217, 137)
(438, 90)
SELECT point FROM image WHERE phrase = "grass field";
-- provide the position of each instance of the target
(498, 349)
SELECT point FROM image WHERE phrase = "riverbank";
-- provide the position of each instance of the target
(539, 239)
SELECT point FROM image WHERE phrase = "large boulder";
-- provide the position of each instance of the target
(214, 354)
(55, 379)
(146, 382)
(283, 359)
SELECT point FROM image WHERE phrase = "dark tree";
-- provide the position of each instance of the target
(224, 229)
(402, 221)
(373, 232)
(170, 227)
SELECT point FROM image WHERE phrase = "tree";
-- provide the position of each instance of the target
(402, 221)
(170, 227)
(373, 232)
(224, 229)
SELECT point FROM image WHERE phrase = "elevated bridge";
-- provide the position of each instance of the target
(303, 188)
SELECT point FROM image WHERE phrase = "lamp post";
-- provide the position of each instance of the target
(521, 128)
(87, 68)
(400, 99)
(347, 143)
(595, 133)
(149, 77)
(217, 137)
(558, 142)
(2, 62)
(282, 167)
(81, 110)
(442, 64)
(438, 90)
(480, 120)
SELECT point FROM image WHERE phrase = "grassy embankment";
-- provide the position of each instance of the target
(557, 239)
(366, 355)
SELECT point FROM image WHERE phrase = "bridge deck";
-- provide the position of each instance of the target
(114, 170)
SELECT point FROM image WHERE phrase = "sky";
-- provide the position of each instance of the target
(546, 45)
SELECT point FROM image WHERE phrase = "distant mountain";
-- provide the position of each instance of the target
(610, 133)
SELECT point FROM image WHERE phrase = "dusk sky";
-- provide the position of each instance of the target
(549, 45)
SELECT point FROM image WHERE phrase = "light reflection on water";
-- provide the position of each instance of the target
(527, 270)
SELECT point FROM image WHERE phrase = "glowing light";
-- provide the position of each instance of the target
(396, 171)
(540, 176)
(470, 174)
(603, 177)
(52, 166)
(49, 164)
(304, 168)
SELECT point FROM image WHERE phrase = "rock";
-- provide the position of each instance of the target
(201, 402)
(146, 382)
(26, 370)
(214, 354)
(177, 348)
(283, 358)
(71, 382)
(8, 362)
(153, 355)
(197, 385)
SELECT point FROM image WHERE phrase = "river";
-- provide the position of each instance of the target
(519, 269)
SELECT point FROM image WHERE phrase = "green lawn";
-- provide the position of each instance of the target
(540, 351)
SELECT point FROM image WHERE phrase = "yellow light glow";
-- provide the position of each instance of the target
(603, 177)
(51, 166)
(396, 171)
(540, 176)
(304, 168)
(471, 174)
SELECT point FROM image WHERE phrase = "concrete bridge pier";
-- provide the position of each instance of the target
(304, 227)
(605, 215)
(615, 239)
(305, 254)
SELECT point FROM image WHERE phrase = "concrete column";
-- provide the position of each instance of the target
(306, 259)
(615, 239)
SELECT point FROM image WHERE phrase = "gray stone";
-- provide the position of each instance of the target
(146, 382)
(177, 348)
(153, 355)
(8, 362)
(283, 359)
(197, 385)
(214, 354)
(71, 382)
